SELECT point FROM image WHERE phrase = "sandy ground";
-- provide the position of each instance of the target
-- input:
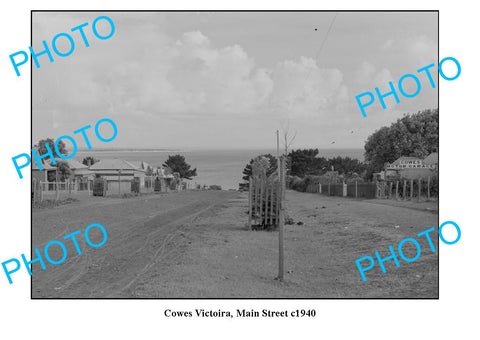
(195, 245)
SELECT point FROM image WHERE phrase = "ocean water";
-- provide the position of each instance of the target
(221, 167)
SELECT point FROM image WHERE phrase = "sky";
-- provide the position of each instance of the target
(230, 79)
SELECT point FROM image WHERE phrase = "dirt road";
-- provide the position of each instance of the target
(223, 259)
(139, 233)
(195, 245)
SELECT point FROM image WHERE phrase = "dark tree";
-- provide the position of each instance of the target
(305, 162)
(91, 159)
(413, 135)
(302, 161)
(63, 170)
(247, 171)
(346, 165)
(42, 149)
(319, 166)
(178, 164)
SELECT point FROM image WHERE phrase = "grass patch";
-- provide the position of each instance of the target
(46, 204)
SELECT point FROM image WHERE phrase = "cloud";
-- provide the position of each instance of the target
(415, 49)
(366, 78)
(302, 89)
(422, 50)
(190, 77)
(382, 78)
(209, 80)
(364, 72)
(171, 77)
(387, 44)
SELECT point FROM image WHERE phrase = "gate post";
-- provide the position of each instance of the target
(411, 190)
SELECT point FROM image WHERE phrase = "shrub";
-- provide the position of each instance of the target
(292, 181)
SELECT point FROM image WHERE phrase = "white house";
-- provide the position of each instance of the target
(118, 173)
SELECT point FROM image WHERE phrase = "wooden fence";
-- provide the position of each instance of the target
(263, 202)
(98, 187)
(264, 199)
(418, 189)
(49, 190)
(356, 189)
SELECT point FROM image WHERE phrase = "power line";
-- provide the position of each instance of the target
(321, 46)
(326, 36)
(317, 55)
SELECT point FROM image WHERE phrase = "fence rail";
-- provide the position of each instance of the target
(263, 201)
(418, 189)
(102, 187)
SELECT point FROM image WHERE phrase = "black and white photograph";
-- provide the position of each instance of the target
(240, 170)
(235, 155)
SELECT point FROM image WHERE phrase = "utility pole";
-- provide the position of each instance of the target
(281, 218)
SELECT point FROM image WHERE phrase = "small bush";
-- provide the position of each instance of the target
(292, 181)
(52, 203)
(307, 184)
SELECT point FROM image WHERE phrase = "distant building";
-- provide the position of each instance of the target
(116, 167)
(164, 171)
(118, 173)
(413, 167)
(42, 175)
(141, 165)
(432, 160)
(79, 171)
(166, 177)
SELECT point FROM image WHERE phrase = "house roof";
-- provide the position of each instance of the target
(72, 163)
(114, 164)
(45, 165)
(140, 164)
(431, 159)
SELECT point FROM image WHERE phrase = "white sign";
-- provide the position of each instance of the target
(411, 164)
